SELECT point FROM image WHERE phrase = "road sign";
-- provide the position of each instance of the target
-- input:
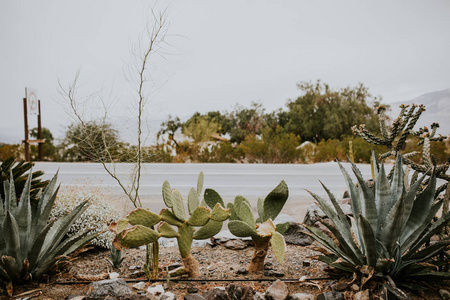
(32, 101)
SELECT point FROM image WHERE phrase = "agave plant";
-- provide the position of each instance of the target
(388, 234)
(29, 244)
(20, 177)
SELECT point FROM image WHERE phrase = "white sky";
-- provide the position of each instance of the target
(221, 53)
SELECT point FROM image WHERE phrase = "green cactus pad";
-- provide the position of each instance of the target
(241, 229)
(185, 239)
(199, 217)
(208, 231)
(219, 213)
(121, 225)
(167, 194)
(233, 215)
(167, 231)
(178, 206)
(278, 246)
(144, 217)
(282, 227)
(260, 206)
(244, 212)
(274, 202)
(203, 203)
(193, 200)
(200, 180)
(169, 217)
(212, 198)
(138, 235)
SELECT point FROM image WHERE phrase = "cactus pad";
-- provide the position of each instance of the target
(141, 216)
(212, 198)
(178, 206)
(208, 231)
(193, 200)
(278, 246)
(185, 239)
(241, 229)
(167, 194)
(244, 211)
(275, 201)
(138, 235)
(199, 217)
(169, 217)
(200, 181)
(266, 229)
(219, 213)
(167, 231)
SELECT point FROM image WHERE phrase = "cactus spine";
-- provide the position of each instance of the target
(262, 231)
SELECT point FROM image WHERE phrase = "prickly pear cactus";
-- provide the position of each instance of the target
(262, 230)
(200, 223)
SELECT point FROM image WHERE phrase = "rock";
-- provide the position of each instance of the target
(155, 291)
(273, 273)
(137, 274)
(362, 295)
(236, 244)
(242, 271)
(301, 296)
(168, 296)
(331, 296)
(139, 286)
(237, 292)
(114, 275)
(277, 291)
(283, 218)
(217, 293)
(258, 296)
(112, 287)
(306, 263)
(295, 235)
(444, 294)
(192, 290)
(313, 213)
(193, 297)
(340, 286)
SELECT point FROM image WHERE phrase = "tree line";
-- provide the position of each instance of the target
(314, 127)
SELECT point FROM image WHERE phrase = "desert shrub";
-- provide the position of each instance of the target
(97, 216)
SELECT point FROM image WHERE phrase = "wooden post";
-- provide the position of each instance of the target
(25, 116)
(40, 144)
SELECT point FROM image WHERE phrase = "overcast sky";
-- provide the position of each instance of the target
(219, 53)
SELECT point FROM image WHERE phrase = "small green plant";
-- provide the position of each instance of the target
(388, 234)
(262, 231)
(143, 221)
(29, 244)
(116, 257)
(19, 171)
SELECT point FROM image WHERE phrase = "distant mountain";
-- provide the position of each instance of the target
(437, 105)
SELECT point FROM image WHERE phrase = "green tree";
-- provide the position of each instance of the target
(170, 127)
(48, 149)
(92, 141)
(323, 113)
(246, 121)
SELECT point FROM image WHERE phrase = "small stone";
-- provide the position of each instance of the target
(272, 273)
(306, 263)
(296, 235)
(236, 244)
(192, 290)
(242, 271)
(217, 293)
(114, 275)
(168, 296)
(70, 297)
(259, 296)
(132, 268)
(339, 287)
(444, 294)
(137, 274)
(362, 295)
(301, 296)
(193, 297)
(331, 296)
(139, 286)
(238, 292)
(112, 287)
(355, 287)
(156, 290)
(277, 291)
